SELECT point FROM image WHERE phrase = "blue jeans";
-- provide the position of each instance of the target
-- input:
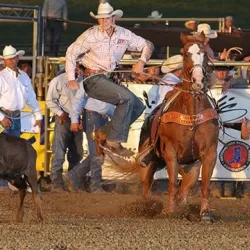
(128, 106)
(65, 140)
(15, 127)
(91, 121)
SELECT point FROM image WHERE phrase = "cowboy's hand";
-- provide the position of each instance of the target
(63, 117)
(141, 78)
(73, 84)
(6, 122)
(65, 26)
(138, 67)
(74, 127)
(224, 54)
(38, 123)
(246, 59)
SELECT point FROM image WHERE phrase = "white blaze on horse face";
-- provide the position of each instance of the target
(197, 58)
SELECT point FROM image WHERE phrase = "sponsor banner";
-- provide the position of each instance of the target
(233, 153)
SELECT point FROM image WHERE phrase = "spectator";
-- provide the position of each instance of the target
(159, 51)
(155, 15)
(2, 65)
(59, 101)
(210, 34)
(229, 26)
(191, 25)
(26, 66)
(55, 14)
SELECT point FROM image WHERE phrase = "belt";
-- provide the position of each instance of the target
(11, 112)
(93, 71)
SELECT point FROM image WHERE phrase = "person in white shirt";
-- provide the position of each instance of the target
(172, 68)
(15, 92)
(102, 47)
(59, 100)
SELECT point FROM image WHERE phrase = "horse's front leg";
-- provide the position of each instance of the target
(173, 169)
(208, 163)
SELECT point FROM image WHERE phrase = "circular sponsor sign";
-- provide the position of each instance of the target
(235, 156)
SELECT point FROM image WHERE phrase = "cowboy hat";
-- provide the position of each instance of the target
(155, 14)
(229, 18)
(172, 63)
(187, 23)
(105, 10)
(10, 52)
(207, 30)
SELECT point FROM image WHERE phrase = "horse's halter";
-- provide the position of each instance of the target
(196, 75)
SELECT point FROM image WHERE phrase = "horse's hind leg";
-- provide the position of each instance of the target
(189, 179)
(20, 211)
(146, 178)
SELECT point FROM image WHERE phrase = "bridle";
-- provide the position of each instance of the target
(190, 70)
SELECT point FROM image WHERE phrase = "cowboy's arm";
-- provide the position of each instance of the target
(140, 44)
(53, 96)
(76, 49)
(32, 101)
(78, 103)
(146, 47)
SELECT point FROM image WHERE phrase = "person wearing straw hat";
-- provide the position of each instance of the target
(102, 47)
(191, 25)
(172, 68)
(16, 91)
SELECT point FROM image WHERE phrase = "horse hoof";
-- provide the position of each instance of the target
(206, 217)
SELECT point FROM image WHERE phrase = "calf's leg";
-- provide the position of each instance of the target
(20, 211)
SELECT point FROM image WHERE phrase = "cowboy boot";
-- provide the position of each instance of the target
(245, 129)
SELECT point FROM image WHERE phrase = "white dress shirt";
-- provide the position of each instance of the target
(169, 78)
(16, 92)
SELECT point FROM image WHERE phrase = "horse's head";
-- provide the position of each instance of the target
(194, 61)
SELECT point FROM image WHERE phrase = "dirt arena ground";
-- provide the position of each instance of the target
(118, 221)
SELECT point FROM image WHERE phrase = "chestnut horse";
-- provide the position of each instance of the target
(187, 131)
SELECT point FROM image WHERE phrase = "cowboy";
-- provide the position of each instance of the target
(59, 100)
(54, 11)
(155, 15)
(16, 91)
(102, 47)
(172, 68)
(95, 115)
